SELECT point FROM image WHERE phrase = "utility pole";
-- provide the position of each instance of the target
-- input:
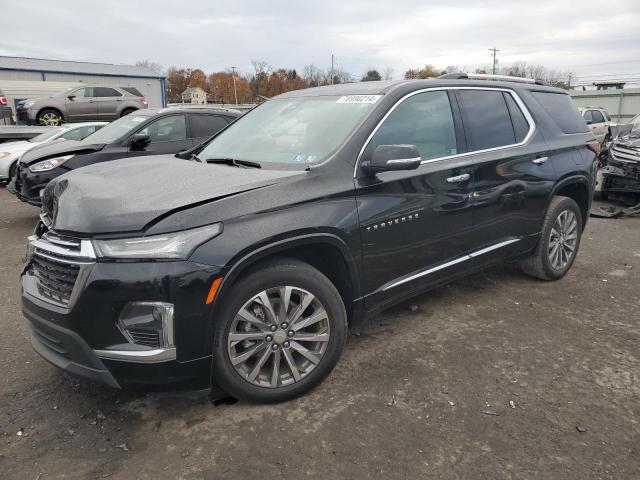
(235, 92)
(494, 50)
(332, 69)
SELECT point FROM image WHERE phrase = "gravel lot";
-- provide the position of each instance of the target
(497, 376)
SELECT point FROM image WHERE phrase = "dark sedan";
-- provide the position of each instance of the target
(147, 132)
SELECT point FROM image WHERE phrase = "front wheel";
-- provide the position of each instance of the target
(559, 241)
(50, 117)
(281, 331)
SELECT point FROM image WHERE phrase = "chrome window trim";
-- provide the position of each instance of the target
(516, 97)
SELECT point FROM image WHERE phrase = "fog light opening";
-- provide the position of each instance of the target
(148, 324)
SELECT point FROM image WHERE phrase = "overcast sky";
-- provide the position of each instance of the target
(592, 38)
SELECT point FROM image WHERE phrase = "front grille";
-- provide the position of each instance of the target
(625, 154)
(148, 338)
(57, 262)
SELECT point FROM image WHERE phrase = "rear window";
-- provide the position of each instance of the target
(562, 110)
(486, 119)
(133, 91)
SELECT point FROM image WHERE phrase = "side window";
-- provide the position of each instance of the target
(105, 92)
(167, 129)
(597, 116)
(424, 120)
(562, 111)
(486, 119)
(83, 92)
(206, 125)
(606, 116)
(78, 133)
(520, 124)
(588, 116)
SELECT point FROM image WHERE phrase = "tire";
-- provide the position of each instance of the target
(545, 262)
(271, 278)
(12, 170)
(49, 116)
(127, 111)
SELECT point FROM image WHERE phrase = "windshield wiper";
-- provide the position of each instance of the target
(234, 162)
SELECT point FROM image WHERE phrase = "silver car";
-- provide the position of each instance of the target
(10, 152)
(81, 104)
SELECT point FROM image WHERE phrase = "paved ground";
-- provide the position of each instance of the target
(494, 377)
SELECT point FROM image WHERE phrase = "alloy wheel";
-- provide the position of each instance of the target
(563, 239)
(278, 336)
(50, 118)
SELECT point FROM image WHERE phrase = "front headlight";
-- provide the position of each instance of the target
(176, 245)
(5, 154)
(28, 104)
(49, 164)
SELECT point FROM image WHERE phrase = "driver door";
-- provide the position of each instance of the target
(168, 134)
(415, 224)
(81, 105)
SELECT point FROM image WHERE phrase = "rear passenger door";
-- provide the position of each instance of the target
(108, 100)
(204, 126)
(512, 177)
(415, 224)
(168, 134)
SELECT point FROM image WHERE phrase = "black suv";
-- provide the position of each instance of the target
(146, 132)
(245, 266)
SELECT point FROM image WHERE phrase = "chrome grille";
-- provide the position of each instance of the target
(148, 338)
(57, 262)
(625, 154)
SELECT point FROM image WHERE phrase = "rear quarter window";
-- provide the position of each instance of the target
(132, 91)
(561, 109)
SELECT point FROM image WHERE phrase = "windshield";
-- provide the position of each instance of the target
(115, 129)
(43, 137)
(291, 131)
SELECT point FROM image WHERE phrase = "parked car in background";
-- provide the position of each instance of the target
(5, 110)
(598, 120)
(314, 208)
(147, 132)
(80, 104)
(10, 152)
(620, 176)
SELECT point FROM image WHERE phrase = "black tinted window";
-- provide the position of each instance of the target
(424, 120)
(562, 110)
(133, 91)
(486, 119)
(520, 125)
(206, 125)
(105, 92)
(597, 116)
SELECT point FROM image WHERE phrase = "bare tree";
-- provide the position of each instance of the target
(312, 75)
(388, 73)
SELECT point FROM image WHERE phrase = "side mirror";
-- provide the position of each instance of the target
(139, 141)
(589, 122)
(71, 97)
(388, 158)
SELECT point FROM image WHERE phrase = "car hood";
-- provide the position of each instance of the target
(130, 195)
(16, 147)
(631, 140)
(59, 148)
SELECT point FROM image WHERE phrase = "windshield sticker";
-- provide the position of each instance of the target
(138, 119)
(301, 157)
(359, 99)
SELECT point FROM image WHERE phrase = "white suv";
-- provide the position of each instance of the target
(598, 120)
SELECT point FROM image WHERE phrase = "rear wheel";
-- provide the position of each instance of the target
(281, 332)
(50, 116)
(559, 242)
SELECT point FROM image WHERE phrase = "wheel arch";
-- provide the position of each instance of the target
(324, 251)
(41, 109)
(576, 188)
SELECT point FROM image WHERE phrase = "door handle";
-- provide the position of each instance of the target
(540, 161)
(459, 178)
